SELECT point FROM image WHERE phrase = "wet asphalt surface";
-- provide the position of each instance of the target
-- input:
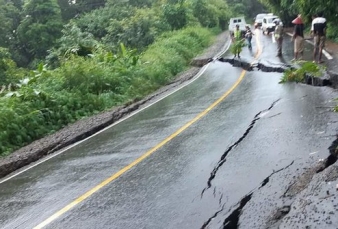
(198, 178)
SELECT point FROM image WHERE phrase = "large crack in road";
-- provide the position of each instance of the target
(328, 79)
(232, 221)
(300, 184)
(262, 66)
(225, 154)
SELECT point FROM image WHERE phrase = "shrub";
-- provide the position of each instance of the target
(46, 100)
(298, 75)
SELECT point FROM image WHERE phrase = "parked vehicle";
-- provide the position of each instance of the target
(267, 24)
(237, 21)
(259, 19)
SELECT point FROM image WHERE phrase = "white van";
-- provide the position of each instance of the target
(267, 24)
(237, 21)
(259, 19)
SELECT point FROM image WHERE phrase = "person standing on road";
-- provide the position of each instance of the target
(248, 36)
(237, 34)
(279, 29)
(298, 38)
(318, 31)
(238, 42)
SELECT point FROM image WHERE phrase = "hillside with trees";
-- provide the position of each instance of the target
(61, 60)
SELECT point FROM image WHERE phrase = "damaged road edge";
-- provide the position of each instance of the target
(232, 221)
(328, 79)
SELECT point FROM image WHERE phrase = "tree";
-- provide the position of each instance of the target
(141, 3)
(68, 10)
(97, 21)
(247, 8)
(83, 6)
(175, 13)
(72, 42)
(139, 31)
(40, 28)
(17, 3)
(288, 9)
(10, 18)
(206, 12)
(6, 64)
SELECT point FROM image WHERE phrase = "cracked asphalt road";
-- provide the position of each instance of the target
(228, 169)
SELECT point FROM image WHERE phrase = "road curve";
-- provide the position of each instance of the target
(230, 140)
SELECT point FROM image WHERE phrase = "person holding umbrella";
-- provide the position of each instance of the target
(298, 37)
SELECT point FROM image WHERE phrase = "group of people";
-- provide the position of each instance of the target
(318, 32)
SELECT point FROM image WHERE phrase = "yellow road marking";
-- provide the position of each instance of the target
(147, 154)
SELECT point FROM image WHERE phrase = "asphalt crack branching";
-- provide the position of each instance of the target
(232, 221)
(268, 67)
(272, 116)
(278, 216)
(225, 154)
(220, 199)
(267, 179)
(285, 194)
(206, 223)
(332, 158)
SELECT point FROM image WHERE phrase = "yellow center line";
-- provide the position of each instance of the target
(147, 154)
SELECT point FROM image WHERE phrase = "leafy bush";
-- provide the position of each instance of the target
(298, 75)
(175, 15)
(171, 53)
(73, 41)
(45, 100)
(332, 32)
(237, 46)
(137, 32)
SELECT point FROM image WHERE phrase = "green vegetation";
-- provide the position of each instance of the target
(62, 60)
(298, 75)
(237, 46)
(47, 100)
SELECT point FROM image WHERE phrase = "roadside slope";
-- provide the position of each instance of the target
(89, 126)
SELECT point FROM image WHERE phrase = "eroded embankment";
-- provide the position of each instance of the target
(329, 78)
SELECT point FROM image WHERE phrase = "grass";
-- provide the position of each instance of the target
(84, 86)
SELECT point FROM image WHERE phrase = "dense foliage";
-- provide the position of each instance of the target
(62, 60)
(46, 100)
(298, 75)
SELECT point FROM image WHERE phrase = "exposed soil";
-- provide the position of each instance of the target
(88, 126)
